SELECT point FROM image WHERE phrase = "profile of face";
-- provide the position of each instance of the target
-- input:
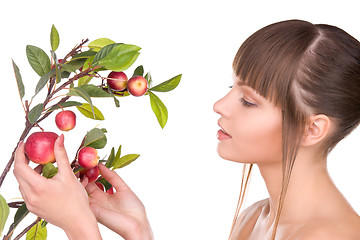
(250, 126)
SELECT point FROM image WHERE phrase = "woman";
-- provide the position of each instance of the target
(296, 94)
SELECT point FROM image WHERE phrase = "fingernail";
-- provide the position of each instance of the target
(20, 143)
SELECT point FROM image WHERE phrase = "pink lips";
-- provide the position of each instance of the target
(222, 135)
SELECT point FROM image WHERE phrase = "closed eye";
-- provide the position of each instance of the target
(247, 103)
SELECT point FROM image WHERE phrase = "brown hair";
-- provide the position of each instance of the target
(304, 69)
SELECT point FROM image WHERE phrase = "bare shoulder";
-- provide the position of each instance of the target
(254, 210)
(248, 218)
(347, 229)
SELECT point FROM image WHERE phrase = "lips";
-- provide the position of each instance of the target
(222, 134)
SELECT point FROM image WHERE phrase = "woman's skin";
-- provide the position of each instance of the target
(314, 208)
(122, 212)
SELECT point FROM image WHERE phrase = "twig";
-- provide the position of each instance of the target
(16, 204)
(27, 229)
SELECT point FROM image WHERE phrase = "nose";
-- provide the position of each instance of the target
(220, 107)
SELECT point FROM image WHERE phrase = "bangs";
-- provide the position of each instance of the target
(268, 61)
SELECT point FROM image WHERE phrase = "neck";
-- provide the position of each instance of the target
(309, 190)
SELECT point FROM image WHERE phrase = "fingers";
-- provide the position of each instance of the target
(114, 179)
(20, 154)
(94, 191)
(61, 157)
(85, 182)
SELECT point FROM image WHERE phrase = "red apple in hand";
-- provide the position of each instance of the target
(65, 120)
(117, 80)
(92, 174)
(100, 185)
(137, 86)
(88, 157)
(39, 147)
(110, 191)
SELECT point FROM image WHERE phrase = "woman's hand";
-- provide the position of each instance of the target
(122, 211)
(61, 200)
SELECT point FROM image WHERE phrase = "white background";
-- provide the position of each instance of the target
(188, 191)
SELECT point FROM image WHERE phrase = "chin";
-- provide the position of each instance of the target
(226, 155)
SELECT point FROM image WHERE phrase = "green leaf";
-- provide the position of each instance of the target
(139, 71)
(148, 78)
(111, 158)
(4, 213)
(78, 91)
(167, 85)
(159, 109)
(43, 80)
(65, 105)
(54, 38)
(38, 60)
(86, 110)
(97, 44)
(94, 91)
(49, 170)
(73, 65)
(35, 113)
(44, 223)
(116, 101)
(19, 80)
(104, 52)
(19, 216)
(120, 58)
(57, 72)
(125, 160)
(95, 138)
(85, 55)
(118, 153)
(37, 232)
(104, 182)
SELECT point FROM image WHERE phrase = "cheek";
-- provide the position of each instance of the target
(255, 141)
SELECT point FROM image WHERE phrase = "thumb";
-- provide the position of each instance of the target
(61, 157)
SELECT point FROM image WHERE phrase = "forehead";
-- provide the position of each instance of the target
(240, 82)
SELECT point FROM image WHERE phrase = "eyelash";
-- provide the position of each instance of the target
(246, 103)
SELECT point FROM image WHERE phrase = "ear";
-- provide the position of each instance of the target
(317, 129)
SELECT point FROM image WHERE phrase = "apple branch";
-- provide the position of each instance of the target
(28, 125)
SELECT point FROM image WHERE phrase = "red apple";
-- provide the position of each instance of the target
(65, 120)
(88, 157)
(137, 85)
(110, 191)
(100, 185)
(39, 147)
(117, 80)
(92, 174)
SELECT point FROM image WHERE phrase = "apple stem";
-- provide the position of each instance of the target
(37, 125)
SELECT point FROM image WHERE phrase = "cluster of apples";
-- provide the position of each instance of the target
(136, 85)
(39, 148)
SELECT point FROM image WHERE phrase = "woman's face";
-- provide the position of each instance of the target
(250, 126)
